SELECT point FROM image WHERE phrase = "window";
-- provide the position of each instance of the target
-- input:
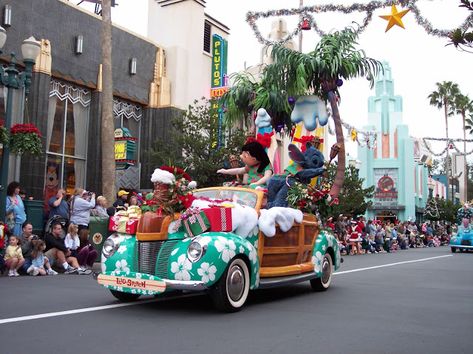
(207, 34)
(66, 140)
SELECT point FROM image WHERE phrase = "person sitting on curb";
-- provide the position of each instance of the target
(57, 253)
(26, 244)
(13, 256)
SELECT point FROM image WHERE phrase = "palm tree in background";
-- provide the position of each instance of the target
(463, 106)
(295, 74)
(444, 98)
(107, 126)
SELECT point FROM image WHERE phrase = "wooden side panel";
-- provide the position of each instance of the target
(288, 253)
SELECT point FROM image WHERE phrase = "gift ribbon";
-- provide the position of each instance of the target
(308, 139)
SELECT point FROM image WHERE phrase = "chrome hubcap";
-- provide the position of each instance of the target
(326, 271)
(235, 283)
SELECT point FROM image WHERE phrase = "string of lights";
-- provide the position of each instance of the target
(306, 12)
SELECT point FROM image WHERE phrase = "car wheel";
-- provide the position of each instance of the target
(323, 283)
(124, 297)
(229, 294)
(453, 249)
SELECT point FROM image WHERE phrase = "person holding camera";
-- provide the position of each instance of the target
(81, 204)
(58, 205)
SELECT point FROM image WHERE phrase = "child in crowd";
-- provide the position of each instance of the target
(39, 261)
(87, 253)
(257, 170)
(71, 241)
(13, 256)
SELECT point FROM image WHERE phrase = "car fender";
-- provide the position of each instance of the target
(123, 258)
(325, 242)
(220, 249)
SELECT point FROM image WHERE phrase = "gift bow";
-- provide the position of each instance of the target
(308, 139)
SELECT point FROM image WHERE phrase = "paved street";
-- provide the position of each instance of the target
(415, 301)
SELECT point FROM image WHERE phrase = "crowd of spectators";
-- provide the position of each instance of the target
(64, 246)
(358, 236)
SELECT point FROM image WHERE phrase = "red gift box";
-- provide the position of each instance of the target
(113, 223)
(131, 225)
(123, 224)
(220, 218)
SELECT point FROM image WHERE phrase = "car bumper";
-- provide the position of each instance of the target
(462, 246)
(146, 284)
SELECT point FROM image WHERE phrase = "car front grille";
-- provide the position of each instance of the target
(466, 243)
(152, 253)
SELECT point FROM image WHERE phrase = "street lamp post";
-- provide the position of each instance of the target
(12, 79)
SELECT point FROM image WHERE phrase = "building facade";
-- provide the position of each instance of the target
(65, 97)
(396, 166)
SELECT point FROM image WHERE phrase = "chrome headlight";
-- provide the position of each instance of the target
(109, 247)
(195, 251)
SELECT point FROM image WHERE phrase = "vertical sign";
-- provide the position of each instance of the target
(219, 78)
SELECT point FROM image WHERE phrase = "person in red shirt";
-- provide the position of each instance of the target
(354, 240)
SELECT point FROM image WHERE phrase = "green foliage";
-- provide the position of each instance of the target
(25, 138)
(353, 198)
(447, 210)
(238, 100)
(3, 135)
(296, 74)
(193, 147)
(463, 38)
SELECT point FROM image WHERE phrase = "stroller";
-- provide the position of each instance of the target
(56, 219)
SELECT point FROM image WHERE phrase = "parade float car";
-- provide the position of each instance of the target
(160, 258)
(462, 240)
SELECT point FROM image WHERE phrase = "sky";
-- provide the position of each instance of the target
(418, 60)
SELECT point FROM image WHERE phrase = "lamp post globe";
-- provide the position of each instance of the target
(12, 79)
(3, 37)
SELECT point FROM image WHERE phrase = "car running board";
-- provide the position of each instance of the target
(288, 280)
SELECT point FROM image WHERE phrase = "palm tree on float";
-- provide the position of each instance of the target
(295, 74)
(444, 98)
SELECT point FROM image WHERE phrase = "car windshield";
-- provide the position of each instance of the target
(240, 196)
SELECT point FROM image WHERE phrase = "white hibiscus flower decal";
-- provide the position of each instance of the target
(330, 241)
(317, 261)
(122, 266)
(207, 272)
(181, 268)
(121, 249)
(226, 248)
(253, 255)
(242, 250)
(205, 240)
(174, 251)
(324, 247)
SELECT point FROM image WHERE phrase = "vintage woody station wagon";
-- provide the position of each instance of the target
(162, 257)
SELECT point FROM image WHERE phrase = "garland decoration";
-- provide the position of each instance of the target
(306, 13)
(449, 144)
(363, 138)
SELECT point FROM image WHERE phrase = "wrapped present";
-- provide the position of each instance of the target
(117, 223)
(130, 226)
(195, 222)
(123, 224)
(220, 218)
